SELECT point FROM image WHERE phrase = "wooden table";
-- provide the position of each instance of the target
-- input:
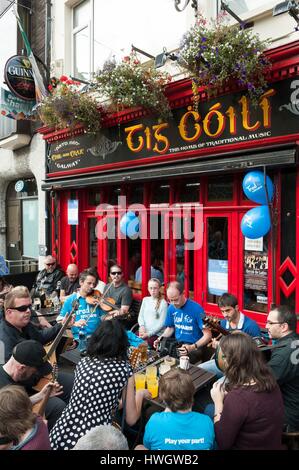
(200, 379)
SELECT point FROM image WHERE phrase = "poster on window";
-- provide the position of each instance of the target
(218, 276)
(256, 271)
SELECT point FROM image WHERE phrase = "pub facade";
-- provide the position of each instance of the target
(183, 180)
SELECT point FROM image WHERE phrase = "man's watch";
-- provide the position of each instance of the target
(195, 345)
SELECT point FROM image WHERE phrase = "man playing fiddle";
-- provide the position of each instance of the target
(119, 292)
(88, 316)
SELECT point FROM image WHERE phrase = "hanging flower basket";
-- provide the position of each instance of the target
(216, 54)
(129, 84)
(67, 106)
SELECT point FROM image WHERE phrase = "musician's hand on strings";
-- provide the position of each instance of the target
(80, 323)
(56, 389)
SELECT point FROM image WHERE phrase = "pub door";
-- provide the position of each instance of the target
(219, 258)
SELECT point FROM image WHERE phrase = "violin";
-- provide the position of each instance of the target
(106, 303)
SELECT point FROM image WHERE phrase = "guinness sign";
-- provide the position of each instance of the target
(18, 76)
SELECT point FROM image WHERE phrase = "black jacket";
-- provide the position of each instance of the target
(50, 282)
(10, 335)
(284, 363)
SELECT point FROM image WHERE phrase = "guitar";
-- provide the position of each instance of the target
(40, 407)
(214, 325)
(50, 350)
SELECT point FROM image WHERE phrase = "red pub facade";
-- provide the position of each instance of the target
(184, 180)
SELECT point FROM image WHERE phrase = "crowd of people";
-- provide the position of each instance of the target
(252, 400)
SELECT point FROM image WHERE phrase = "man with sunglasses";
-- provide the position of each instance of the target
(16, 325)
(119, 291)
(281, 325)
(48, 280)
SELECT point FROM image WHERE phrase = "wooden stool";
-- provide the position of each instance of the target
(291, 439)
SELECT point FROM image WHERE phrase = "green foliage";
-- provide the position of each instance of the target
(67, 106)
(214, 54)
(129, 84)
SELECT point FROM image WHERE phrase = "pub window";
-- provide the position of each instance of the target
(256, 261)
(217, 257)
(245, 6)
(160, 193)
(136, 192)
(94, 197)
(81, 40)
(220, 188)
(189, 191)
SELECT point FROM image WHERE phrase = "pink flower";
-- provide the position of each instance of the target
(50, 88)
(126, 59)
(63, 78)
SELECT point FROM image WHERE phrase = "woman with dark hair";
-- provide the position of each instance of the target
(248, 404)
(100, 378)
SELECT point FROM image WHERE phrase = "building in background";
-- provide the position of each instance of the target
(23, 209)
(185, 172)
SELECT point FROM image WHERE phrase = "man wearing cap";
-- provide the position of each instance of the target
(27, 359)
(16, 327)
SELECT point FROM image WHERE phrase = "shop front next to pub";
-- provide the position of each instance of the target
(183, 179)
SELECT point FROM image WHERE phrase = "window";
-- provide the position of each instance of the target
(244, 6)
(103, 30)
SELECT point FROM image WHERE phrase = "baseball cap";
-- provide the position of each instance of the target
(32, 353)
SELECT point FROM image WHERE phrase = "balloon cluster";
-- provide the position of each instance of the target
(257, 222)
(129, 225)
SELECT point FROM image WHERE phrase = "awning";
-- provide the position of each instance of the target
(228, 163)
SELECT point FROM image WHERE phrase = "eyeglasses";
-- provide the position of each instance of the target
(22, 308)
(50, 264)
(268, 322)
(116, 273)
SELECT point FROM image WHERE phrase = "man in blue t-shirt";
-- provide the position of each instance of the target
(233, 320)
(88, 315)
(184, 319)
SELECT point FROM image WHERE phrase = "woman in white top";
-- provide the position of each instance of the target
(152, 313)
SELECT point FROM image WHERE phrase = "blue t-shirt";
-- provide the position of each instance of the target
(85, 312)
(246, 324)
(179, 431)
(186, 320)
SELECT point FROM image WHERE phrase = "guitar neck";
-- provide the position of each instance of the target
(61, 332)
(216, 326)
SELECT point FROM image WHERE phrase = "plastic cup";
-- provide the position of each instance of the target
(139, 381)
(151, 372)
(153, 387)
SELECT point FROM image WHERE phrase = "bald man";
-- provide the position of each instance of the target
(70, 282)
(48, 280)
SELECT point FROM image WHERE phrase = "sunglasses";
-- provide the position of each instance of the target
(22, 308)
(50, 264)
(115, 273)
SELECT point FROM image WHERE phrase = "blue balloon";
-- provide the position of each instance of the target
(253, 187)
(129, 225)
(256, 223)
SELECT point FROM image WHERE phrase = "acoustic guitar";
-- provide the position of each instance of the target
(40, 407)
(51, 348)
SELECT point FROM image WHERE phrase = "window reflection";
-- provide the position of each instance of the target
(220, 188)
(217, 257)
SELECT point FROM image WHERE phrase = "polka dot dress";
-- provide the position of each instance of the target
(97, 386)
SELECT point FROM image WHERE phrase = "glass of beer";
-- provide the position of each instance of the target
(153, 387)
(139, 381)
(151, 372)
